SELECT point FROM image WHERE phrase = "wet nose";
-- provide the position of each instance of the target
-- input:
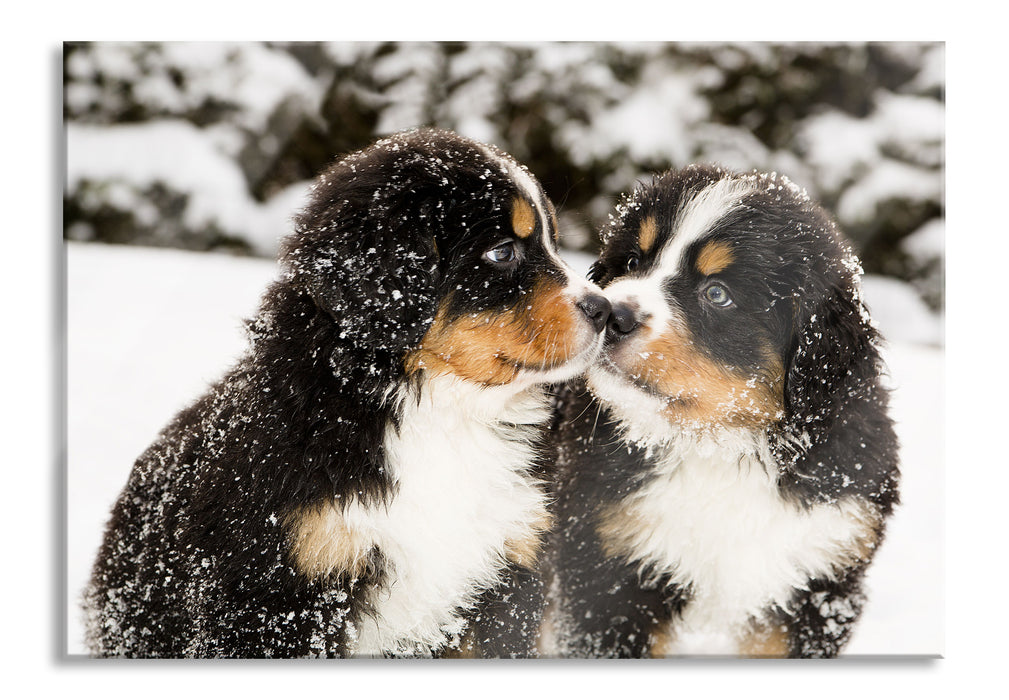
(597, 309)
(623, 320)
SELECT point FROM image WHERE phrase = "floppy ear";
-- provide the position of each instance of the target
(371, 266)
(833, 368)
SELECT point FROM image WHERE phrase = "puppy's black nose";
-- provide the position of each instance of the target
(623, 320)
(597, 308)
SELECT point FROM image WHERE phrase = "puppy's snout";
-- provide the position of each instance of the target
(623, 321)
(597, 309)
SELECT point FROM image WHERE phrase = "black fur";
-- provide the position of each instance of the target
(195, 560)
(605, 608)
(793, 281)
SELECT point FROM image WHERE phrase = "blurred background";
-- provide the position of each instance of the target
(186, 162)
(211, 146)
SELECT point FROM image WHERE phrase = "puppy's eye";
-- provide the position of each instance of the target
(502, 253)
(632, 262)
(718, 295)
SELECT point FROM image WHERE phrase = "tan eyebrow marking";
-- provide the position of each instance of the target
(523, 217)
(714, 257)
(646, 234)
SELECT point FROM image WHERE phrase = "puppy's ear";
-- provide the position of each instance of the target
(365, 252)
(833, 366)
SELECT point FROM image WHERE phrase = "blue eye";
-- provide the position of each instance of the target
(718, 295)
(502, 253)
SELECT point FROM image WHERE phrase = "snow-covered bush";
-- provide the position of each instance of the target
(211, 146)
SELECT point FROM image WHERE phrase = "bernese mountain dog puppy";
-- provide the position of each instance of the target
(367, 480)
(726, 478)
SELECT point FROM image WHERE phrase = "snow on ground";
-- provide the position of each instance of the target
(148, 330)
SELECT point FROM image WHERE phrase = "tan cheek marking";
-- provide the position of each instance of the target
(468, 347)
(323, 543)
(714, 257)
(550, 324)
(523, 218)
(703, 391)
(647, 234)
(764, 641)
(489, 347)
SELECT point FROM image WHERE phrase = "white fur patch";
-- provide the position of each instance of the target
(578, 364)
(462, 491)
(642, 415)
(713, 519)
(698, 216)
(646, 293)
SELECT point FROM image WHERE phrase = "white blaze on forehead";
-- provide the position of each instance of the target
(697, 217)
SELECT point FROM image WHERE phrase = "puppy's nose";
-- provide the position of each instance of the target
(597, 308)
(623, 321)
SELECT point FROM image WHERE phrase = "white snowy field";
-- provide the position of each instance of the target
(148, 330)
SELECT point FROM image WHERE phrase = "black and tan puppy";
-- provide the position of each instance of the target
(366, 480)
(728, 483)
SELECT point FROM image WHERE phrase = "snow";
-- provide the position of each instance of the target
(838, 145)
(905, 610)
(650, 122)
(405, 95)
(843, 148)
(888, 180)
(149, 329)
(180, 156)
(899, 313)
(911, 119)
(927, 242)
(618, 123)
(254, 78)
(854, 156)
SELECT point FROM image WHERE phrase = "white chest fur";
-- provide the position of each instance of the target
(462, 493)
(717, 524)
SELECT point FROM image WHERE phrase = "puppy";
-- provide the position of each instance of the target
(725, 484)
(366, 480)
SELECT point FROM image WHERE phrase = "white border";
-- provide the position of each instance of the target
(975, 345)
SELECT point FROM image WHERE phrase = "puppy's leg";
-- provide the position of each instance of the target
(605, 611)
(825, 615)
(506, 622)
(309, 621)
